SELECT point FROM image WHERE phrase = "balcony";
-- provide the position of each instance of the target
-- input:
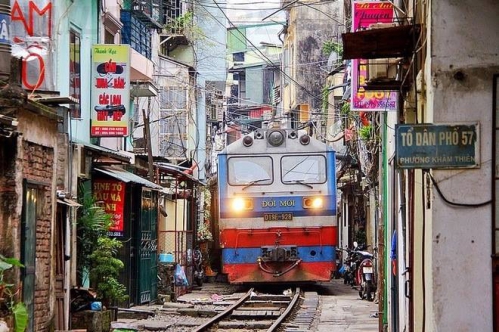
(176, 32)
(150, 12)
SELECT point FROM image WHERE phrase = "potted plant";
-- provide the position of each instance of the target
(9, 305)
(105, 269)
(97, 264)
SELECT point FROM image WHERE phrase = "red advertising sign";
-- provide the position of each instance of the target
(367, 14)
(112, 194)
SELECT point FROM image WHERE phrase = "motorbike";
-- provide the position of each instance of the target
(365, 276)
(197, 258)
(349, 267)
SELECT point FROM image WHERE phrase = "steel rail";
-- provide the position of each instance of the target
(285, 314)
(225, 313)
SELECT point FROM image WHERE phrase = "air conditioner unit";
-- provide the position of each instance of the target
(382, 69)
(83, 162)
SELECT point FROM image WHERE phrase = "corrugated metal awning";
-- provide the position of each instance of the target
(105, 151)
(391, 42)
(125, 176)
(68, 202)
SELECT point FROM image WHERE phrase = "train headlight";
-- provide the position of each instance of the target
(276, 137)
(304, 139)
(242, 204)
(247, 141)
(313, 203)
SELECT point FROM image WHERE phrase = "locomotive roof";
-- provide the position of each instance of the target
(260, 143)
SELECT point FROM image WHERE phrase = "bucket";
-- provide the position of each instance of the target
(166, 258)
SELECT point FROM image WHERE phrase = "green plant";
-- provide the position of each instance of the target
(178, 24)
(97, 252)
(345, 108)
(16, 308)
(325, 97)
(330, 46)
(204, 233)
(105, 269)
(365, 132)
(93, 223)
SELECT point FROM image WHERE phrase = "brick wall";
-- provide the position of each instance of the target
(37, 165)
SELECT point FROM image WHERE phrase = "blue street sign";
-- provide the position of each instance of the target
(437, 146)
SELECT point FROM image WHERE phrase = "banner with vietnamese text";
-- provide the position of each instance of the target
(111, 194)
(110, 90)
(364, 15)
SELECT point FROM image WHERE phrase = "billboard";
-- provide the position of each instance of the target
(110, 90)
(364, 15)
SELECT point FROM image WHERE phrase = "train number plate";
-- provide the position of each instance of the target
(277, 216)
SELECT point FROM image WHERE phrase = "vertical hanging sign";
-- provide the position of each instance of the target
(112, 194)
(365, 15)
(110, 90)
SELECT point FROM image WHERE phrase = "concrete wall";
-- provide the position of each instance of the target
(463, 47)
(309, 28)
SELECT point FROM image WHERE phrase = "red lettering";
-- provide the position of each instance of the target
(119, 83)
(41, 75)
(104, 99)
(116, 100)
(101, 82)
(110, 67)
(18, 15)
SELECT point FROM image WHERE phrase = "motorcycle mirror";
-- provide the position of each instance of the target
(355, 244)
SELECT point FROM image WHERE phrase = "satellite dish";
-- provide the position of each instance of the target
(332, 61)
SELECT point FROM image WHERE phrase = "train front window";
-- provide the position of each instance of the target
(303, 169)
(247, 171)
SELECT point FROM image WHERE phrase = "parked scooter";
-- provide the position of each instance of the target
(365, 276)
(197, 258)
(349, 267)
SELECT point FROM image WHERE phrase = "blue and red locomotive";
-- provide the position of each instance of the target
(277, 196)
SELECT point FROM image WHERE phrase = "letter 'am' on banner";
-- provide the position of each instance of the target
(110, 90)
(364, 15)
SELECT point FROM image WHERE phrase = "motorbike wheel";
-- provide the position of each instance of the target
(199, 280)
(369, 291)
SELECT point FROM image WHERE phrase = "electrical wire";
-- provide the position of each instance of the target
(435, 184)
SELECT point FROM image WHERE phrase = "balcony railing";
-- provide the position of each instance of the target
(148, 11)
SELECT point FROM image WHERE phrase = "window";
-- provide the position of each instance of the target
(173, 98)
(303, 169)
(74, 72)
(136, 34)
(248, 170)
(238, 57)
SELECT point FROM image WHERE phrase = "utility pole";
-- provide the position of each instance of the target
(148, 139)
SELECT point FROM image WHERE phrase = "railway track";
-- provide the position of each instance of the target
(254, 312)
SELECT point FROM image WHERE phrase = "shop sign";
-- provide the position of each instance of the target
(112, 195)
(368, 15)
(110, 90)
(437, 146)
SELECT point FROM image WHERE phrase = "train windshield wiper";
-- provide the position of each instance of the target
(249, 184)
(302, 182)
